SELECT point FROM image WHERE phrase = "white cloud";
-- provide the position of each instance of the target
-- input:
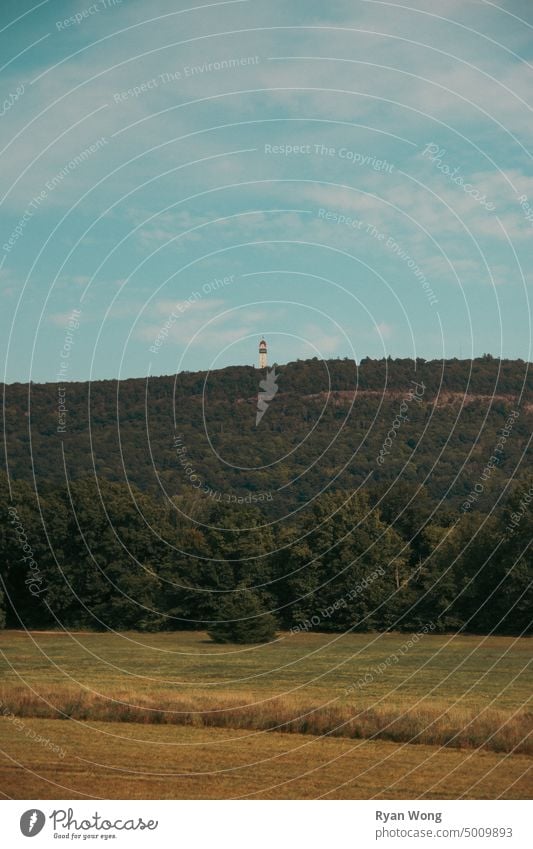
(384, 329)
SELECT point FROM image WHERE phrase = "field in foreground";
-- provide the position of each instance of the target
(175, 716)
(117, 761)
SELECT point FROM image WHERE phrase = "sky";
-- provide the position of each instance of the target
(347, 179)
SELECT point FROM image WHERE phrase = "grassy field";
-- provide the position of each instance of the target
(123, 761)
(176, 716)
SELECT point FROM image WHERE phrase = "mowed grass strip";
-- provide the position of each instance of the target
(117, 761)
(476, 669)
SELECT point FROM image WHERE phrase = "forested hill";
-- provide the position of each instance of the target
(326, 426)
(387, 496)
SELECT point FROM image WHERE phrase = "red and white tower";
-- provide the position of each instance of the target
(262, 354)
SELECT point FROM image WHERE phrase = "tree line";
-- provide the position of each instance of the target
(95, 554)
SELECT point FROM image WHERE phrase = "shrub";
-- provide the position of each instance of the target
(242, 619)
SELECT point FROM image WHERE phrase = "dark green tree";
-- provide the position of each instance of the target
(349, 565)
(2, 609)
(107, 575)
(241, 618)
(509, 572)
(25, 561)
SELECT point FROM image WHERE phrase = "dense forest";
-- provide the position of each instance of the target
(381, 496)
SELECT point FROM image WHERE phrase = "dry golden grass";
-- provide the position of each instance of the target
(434, 723)
(128, 761)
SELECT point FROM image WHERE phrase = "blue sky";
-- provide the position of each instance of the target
(348, 179)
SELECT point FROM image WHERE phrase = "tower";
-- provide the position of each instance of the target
(262, 354)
